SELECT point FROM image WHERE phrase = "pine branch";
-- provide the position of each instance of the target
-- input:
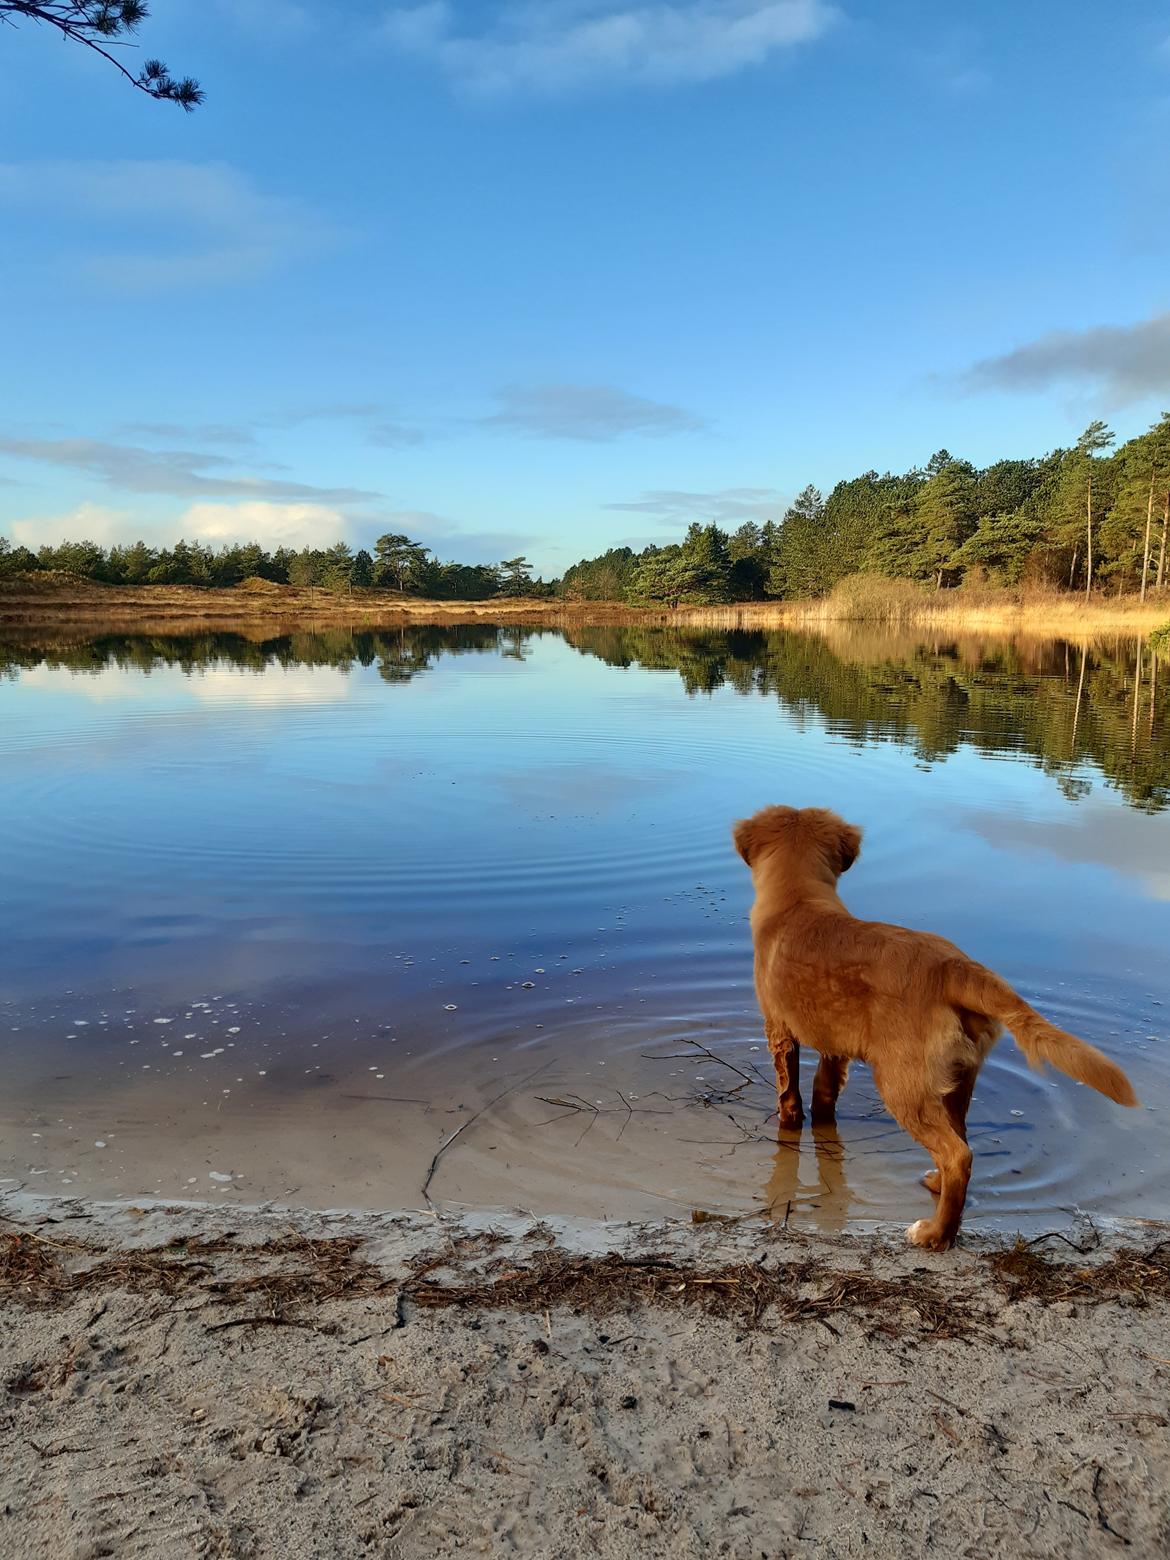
(110, 21)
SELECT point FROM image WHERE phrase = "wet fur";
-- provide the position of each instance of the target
(911, 1005)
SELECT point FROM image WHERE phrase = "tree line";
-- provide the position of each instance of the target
(396, 563)
(1086, 518)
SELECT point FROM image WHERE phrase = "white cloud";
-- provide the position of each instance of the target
(552, 45)
(87, 523)
(273, 525)
(147, 226)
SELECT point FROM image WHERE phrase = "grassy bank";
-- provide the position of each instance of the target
(42, 601)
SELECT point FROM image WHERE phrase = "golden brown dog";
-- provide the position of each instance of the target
(911, 1005)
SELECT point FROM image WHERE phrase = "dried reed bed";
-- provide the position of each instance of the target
(900, 604)
(59, 600)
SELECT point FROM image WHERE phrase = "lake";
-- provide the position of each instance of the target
(311, 918)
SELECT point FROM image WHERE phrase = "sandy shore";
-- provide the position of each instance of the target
(179, 1381)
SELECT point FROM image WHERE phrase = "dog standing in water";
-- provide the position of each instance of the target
(911, 1005)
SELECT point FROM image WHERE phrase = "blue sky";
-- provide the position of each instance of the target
(548, 277)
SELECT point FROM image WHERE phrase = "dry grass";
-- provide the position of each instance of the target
(55, 600)
(286, 1280)
(61, 600)
(291, 1271)
(1131, 1275)
(899, 604)
(806, 1290)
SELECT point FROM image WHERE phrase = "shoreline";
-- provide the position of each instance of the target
(29, 604)
(209, 1380)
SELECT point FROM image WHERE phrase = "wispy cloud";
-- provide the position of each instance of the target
(180, 473)
(1124, 363)
(201, 433)
(376, 427)
(595, 413)
(325, 411)
(394, 435)
(556, 45)
(149, 226)
(727, 507)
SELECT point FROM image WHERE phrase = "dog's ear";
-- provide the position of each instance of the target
(744, 838)
(848, 846)
(753, 835)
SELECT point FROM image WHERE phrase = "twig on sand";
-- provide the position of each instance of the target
(471, 1120)
(574, 1104)
(258, 1321)
(398, 1099)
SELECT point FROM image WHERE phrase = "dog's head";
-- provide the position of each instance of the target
(807, 831)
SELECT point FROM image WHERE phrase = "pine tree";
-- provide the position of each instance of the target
(944, 516)
(517, 576)
(1095, 437)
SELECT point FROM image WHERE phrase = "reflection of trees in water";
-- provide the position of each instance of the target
(1104, 704)
(398, 653)
(1065, 705)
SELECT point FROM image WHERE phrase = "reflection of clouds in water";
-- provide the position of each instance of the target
(171, 688)
(1096, 836)
(273, 687)
(111, 682)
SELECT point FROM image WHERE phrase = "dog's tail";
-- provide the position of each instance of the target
(969, 985)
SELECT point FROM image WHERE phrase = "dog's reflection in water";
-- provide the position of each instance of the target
(791, 1192)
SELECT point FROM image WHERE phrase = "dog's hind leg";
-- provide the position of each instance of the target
(957, 1102)
(929, 1119)
(828, 1083)
(786, 1059)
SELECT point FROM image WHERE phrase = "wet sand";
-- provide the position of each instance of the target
(183, 1381)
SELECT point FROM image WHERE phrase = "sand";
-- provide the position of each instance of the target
(267, 1383)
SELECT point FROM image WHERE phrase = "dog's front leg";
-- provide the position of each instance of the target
(786, 1059)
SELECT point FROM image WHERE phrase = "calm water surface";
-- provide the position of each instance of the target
(278, 918)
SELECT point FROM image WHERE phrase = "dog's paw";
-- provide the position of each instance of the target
(923, 1233)
(932, 1180)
